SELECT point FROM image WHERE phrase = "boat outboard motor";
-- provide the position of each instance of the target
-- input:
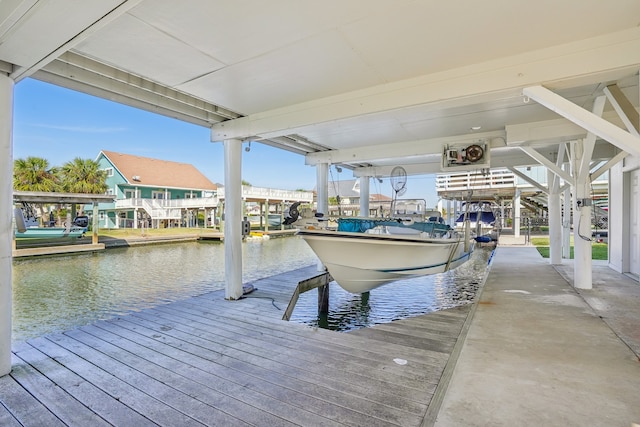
(292, 215)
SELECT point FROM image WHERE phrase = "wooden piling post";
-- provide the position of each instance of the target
(320, 281)
(323, 299)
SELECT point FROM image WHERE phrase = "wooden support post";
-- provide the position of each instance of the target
(94, 224)
(323, 299)
(306, 285)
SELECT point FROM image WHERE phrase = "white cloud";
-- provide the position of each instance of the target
(82, 129)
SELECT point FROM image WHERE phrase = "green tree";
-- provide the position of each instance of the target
(83, 176)
(35, 174)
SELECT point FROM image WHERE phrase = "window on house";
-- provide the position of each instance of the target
(160, 195)
(110, 191)
(109, 171)
(101, 216)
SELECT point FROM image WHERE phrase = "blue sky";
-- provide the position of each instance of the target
(60, 124)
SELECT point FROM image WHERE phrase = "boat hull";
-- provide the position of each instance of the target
(49, 232)
(360, 262)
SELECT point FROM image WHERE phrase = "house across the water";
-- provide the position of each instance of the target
(155, 193)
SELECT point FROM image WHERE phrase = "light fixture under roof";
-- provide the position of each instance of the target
(476, 127)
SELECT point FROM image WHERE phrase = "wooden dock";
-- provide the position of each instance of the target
(56, 250)
(205, 361)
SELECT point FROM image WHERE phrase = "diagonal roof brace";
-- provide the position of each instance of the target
(630, 117)
(530, 180)
(585, 119)
(535, 155)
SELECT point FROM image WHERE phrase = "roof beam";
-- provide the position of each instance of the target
(585, 119)
(85, 75)
(618, 54)
(401, 150)
(21, 72)
(500, 158)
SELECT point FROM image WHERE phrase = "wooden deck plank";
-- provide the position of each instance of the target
(64, 406)
(441, 345)
(101, 403)
(177, 407)
(277, 385)
(358, 407)
(206, 308)
(302, 364)
(204, 401)
(340, 351)
(131, 396)
(22, 406)
(336, 352)
(6, 418)
(418, 330)
(212, 385)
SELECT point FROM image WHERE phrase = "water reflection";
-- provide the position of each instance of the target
(397, 300)
(60, 293)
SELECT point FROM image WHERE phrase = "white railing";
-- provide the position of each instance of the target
(159, 210)
(499, 178)
(197, 202)
(167, 209)
(250, 192)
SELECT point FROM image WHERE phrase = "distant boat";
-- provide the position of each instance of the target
(27, 227)
(365, 253)
(275, 220)
(481, 218)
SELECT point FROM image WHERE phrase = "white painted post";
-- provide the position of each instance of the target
(322, 186)
(555, 231)
(266, 215)
(501, 214)
(233, 218)
(516, 214)
(456, 209)
(6, 229)
(566, 225)
(582, 267)
(364, 196)
(449, 214)
(135, 218)
(282, 207)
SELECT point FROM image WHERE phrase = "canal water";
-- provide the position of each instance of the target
(397, 300)
(55, 294)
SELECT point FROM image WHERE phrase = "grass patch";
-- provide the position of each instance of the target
(598, 250)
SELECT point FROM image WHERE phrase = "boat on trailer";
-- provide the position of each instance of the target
(28, 226)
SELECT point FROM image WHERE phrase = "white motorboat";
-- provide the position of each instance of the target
(363, 254)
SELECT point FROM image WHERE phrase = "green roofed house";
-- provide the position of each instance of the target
(154, 193)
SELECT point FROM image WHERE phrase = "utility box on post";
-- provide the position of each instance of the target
(246, 227)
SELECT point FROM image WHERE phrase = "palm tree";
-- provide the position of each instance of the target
(34, 174)
(83, 176)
